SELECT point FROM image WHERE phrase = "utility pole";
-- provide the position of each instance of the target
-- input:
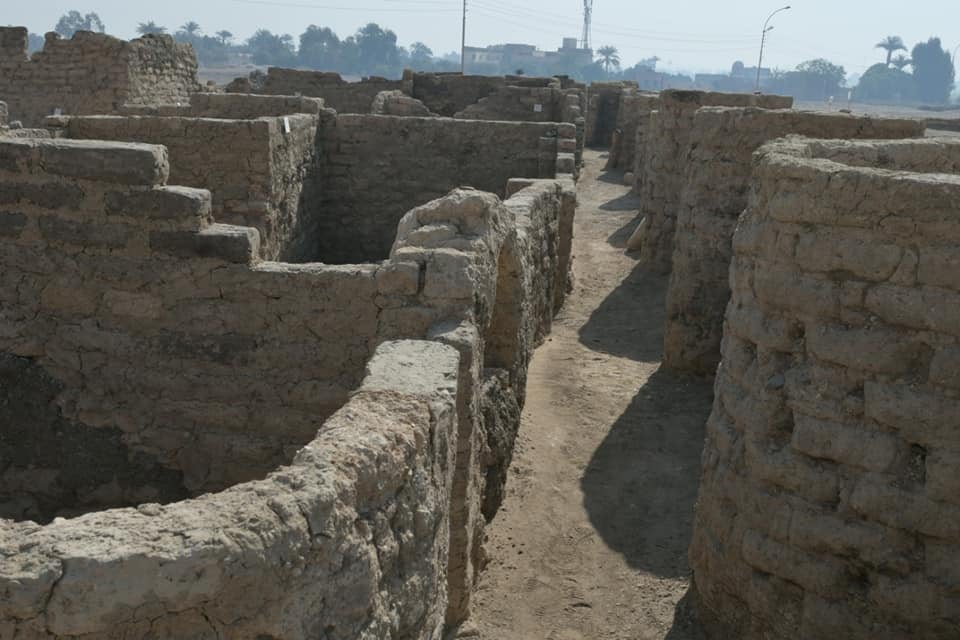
(763, 40)
(587, 20)
(463, 42)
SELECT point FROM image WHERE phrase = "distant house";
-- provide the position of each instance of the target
(509, 58)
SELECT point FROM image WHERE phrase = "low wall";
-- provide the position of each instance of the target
(147, 355)
(259, 173)
(829, 505)
(666, 149)
(603, 111)
(92, 73)
(379, 167)
(337, 93)
(715, 194)
(349, 541)
(450, 93)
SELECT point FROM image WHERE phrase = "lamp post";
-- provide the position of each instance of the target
(763, 40)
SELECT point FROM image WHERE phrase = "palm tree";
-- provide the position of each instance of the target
(901, 61)
(891, 44)
(609, 57)
(224, 36)
(145, 28)
(191, 28)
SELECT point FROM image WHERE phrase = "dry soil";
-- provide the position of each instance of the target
(592, 539)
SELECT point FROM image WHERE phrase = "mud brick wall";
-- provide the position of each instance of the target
(360, 516)
(829, 505)
(450, 93)
(715, 194)
(92, 73)
(667, 145)
(634, 112)
(602, 112)
(517, 104)
(337, 93)
(380, 167)
(182, 329)
(147, 324)
(258, 174)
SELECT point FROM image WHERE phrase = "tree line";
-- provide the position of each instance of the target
(927, 75)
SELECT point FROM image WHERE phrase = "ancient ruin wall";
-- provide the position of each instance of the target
(634, 112)
(829, 503)
(379, 167)
(603, 111)
(146, 324)
(262, 173)
(450, 93)
(715, 194)
(337, 93)
(349, 541)
(666, 149)
(92, 73)
(149, 317)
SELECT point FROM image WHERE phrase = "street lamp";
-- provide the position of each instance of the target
(763, 40)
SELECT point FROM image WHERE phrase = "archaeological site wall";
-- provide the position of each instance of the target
(828, 504)
(715, 192)
(337, 93)
(148, 355)
(379, 167)
(91, 73)
(262, 173)
(666, 146)
(633, 112)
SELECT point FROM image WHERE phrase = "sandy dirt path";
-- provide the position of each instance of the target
(592, 538)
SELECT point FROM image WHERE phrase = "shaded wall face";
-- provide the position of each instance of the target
(380, 167)
(714, 195)
(829, 502)
(92, 73)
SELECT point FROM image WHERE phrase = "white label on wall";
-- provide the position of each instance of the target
(538, 108)
(58, 111)
(286, 125)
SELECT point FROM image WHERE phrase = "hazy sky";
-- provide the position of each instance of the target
(703, 35)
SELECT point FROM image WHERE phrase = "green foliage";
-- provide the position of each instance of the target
(319, 48)
(609, 57)
(816, 79)
(147, 28)
(891, 44)
(74, 21)
(933, 71)
(34, 42)
(880, 83)
(266, 48)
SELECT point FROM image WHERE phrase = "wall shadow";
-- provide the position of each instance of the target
(618, 239)
(629, 322)
(686, 622)
(641, 484)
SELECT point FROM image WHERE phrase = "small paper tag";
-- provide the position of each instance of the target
(58, 111)
(286, 125)
(538, 108)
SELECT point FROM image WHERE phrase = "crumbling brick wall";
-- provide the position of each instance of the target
(634, 111)
(349, 541)
(337, 93)
(666, 147)
(262, 173)
(714, 195)
(379, 167)
(153, 324)
(450, 93)
(92, 73)
(828, 504)
(164, 331)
